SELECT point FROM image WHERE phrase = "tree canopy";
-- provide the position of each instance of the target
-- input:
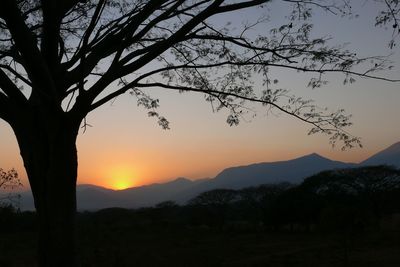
(75, 56)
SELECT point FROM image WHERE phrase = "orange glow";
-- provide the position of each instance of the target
(122, 184)
(121, 177)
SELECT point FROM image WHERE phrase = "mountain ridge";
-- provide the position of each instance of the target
(389, 156)
(181, 189)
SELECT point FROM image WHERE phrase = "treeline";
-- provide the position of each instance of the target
(358, 199)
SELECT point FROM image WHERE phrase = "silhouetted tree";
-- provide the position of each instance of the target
(354, 181)
(216, 197)
(366, 191)
(60, 60)
(169, 204)
(9, 202)
(294, 207)
(214, 204)
(343, 199)
(168, 212)
(254, 201)
(9, 180)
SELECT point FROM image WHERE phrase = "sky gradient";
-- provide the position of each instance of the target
(125, 148)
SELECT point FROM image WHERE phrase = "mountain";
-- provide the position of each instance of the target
(150, 195)
(91, 197)
(293, 171)
(388, 156)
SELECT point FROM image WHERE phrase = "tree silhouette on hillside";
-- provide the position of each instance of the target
(341, 199)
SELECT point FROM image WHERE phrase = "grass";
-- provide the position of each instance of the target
(186, 247)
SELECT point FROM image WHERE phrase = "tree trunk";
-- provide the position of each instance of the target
(47, 141)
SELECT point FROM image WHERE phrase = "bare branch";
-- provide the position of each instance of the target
(16, 74)
(10, 89)
(87, 46)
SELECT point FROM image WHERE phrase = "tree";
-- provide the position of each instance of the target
(214, 204)
(9, 202)
(255, 201)
(60, 60)
(216, 197)
(342, 199)
(9, 180)
(373, 187)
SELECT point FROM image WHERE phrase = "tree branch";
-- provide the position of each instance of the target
(111, 43)
(242, 5)
(178, 36)
(34, 63)
(216, 93)
(11, 89)
(158, 49)
(17, 74)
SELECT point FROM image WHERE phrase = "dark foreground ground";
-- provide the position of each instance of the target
(120, 245)
(336, 218)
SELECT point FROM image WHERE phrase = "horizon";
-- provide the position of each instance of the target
(173, 179)
(244, 165)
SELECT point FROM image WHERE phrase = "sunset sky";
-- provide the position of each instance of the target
(125, 148)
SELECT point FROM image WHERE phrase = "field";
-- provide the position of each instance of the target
(113, 240)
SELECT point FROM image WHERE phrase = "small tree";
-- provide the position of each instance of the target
(73, 56)
(9, 180)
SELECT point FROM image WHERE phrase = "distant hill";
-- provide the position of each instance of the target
(293, 171)
(388, 156)
(91, 197)
(150, 195)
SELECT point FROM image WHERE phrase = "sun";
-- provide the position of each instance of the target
(121, 184)
(121, 178)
